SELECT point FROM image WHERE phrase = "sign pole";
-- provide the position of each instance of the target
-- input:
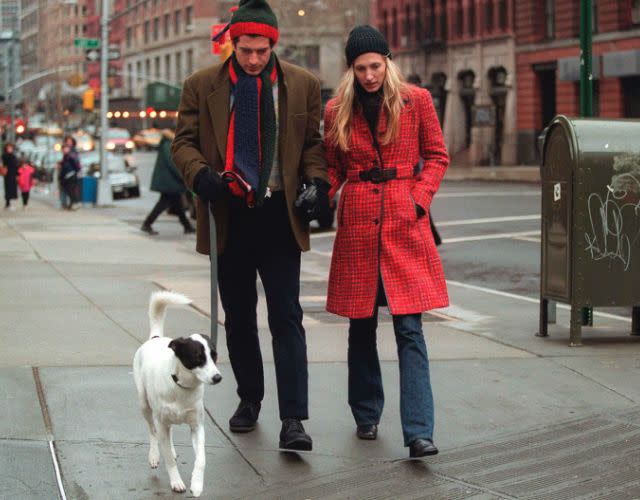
(105, 197)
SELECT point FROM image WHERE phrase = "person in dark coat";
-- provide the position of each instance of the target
(69, 175)
(10, 163)
(378, 129)
(167, 181)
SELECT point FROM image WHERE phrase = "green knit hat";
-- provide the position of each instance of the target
(254, 17)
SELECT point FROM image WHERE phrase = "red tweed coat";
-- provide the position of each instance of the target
(377, 226)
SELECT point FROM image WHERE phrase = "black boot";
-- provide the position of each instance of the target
(368, 432)
(293, 436)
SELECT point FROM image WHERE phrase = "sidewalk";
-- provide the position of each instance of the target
(516, 416)
(505, 173)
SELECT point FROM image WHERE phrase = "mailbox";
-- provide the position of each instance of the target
(590, 248)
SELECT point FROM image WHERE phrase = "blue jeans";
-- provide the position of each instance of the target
(366, 396)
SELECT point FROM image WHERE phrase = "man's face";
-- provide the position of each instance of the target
(253, 53)
(370, 69)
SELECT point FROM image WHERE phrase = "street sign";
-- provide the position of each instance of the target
(113, 54)
(162, 96)
(87, 43)
(92, 55)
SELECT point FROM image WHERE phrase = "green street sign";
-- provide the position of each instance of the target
(87, 43)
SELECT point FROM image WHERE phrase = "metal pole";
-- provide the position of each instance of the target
(10, 66)
(586, 90)
(104, 187)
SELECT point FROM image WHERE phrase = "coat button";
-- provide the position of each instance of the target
(376, 221)
(376, 190)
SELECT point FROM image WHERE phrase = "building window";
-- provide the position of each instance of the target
(444, 23)
(167, 67)
(130, 78)
(418, 30)
(178, 66)
(166, 25)
(147, 70)
(385, 24)
(146, 32)
(406, 36)
(188, 13)
(307, 56)
(138, 74)
(394, 28)
(635, 12)
(156, 28)
(156, 67)
(472, 19)
(176, 24)
(129, 36)
(594, 16)
(502, 14)
(460, 18)
(489, 17)
(549, 19)
(189, 61)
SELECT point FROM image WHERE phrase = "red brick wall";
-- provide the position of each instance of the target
(567, 98)
(611, 98)
(529, 28)
(567, 19)
(528, 97)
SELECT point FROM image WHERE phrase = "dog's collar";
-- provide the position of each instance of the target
(175, 379)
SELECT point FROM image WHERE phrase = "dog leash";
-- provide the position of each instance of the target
(213, 256)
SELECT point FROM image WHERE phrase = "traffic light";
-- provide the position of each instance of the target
(20, 127)
(88, 98)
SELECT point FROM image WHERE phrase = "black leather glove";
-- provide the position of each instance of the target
(313, 201)
(209, 185)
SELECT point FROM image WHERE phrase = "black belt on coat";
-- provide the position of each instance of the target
(376, 175)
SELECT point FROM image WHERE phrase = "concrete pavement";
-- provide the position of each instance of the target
(516, 416)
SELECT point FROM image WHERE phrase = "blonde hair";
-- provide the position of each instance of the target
(394, 88)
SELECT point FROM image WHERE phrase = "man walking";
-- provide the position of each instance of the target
(255, 120)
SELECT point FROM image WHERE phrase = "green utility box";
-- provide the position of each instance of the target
(590, 248)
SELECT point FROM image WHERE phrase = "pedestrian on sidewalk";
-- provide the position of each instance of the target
(26, 180)
(257, 119)
(69, 175)
(167, 181)
(377, 128)
(10, 172)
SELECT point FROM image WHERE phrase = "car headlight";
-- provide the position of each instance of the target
(111, 145)
(129, 145)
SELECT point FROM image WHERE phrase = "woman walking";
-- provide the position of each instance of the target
(26, 179)
(377, 130)
(10, 170)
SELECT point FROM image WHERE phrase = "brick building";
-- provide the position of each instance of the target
(548, 68)
(464, 52)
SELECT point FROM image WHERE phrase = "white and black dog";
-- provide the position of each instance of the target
(170, 377)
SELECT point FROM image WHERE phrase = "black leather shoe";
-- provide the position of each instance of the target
(189, 230)
(422, 448)
(369, 432)
(293, 436)
(148, 229)
(245, 417)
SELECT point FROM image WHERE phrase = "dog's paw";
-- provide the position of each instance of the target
(154, 459)
(178, 486)
(196, 488)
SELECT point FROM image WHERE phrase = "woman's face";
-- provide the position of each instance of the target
(370, 70)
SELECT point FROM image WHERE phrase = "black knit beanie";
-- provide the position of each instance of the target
(363, 39)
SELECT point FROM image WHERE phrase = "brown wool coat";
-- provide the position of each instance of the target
(201, 139)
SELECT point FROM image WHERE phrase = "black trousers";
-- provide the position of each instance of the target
(166, 200)
(25, 198)
(260, 241)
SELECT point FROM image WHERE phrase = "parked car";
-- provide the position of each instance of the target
(122, 177)
(119, 141)
(148, 138)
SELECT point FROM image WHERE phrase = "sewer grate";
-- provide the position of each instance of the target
(596, 457)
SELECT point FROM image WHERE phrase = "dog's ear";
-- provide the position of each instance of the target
(176, 345)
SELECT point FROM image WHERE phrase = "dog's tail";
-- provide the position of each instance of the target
(158, 306)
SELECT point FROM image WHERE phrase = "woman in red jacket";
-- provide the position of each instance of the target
(377, 129)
